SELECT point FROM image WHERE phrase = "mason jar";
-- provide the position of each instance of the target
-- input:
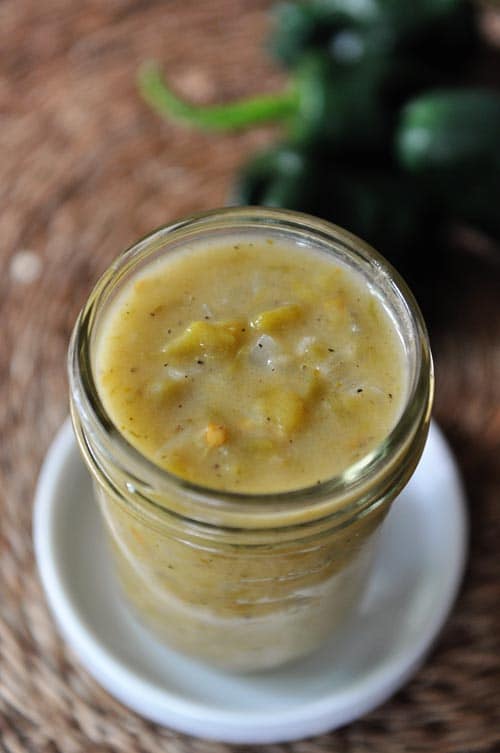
(246, 581)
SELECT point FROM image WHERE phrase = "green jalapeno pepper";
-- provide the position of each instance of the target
(449, 140)
(449, 128)
(323, 103)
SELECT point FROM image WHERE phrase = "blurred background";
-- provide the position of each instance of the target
(87, 166)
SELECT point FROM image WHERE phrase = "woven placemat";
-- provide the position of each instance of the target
(85, 170)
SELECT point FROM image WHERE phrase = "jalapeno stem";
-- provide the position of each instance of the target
(223, 117)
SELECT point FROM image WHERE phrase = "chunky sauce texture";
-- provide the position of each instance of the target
(252, 365)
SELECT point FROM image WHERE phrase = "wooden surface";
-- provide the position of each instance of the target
(86, 169)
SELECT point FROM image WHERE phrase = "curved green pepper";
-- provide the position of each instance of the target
(450, 141)
(449, 128)
(324, 103)
(224, 117)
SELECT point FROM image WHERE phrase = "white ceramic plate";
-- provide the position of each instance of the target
(413, 586)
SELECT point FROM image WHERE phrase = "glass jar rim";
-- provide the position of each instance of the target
(387, 466)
